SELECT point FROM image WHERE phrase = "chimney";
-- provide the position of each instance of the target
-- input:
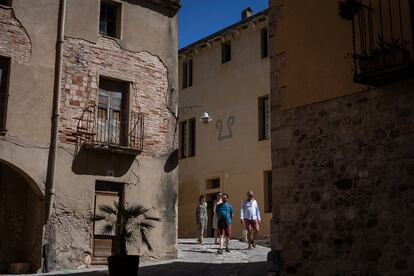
(247, 12)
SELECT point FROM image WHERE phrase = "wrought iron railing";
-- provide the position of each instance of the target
(109, 128)
(382, 37)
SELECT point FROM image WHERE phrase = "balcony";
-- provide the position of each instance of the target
(382, 41)
(116, 131)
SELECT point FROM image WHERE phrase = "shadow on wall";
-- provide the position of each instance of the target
(191, 269)
(172, 162)
(94, 162)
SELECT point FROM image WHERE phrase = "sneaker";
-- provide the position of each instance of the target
(220, 251)
(227, 250)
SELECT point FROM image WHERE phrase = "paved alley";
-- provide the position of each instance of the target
(194, 259)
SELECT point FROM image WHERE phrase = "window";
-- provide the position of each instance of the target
(226, 52)
(213, 183)
(268, 191)
(6, 2)
(4, 76)
(183, 139)
(188, 138)
(109, 19)
(112, 114)
(187, 73)
(264, 118)
(106, 193)
(264, 43)
(191, 137)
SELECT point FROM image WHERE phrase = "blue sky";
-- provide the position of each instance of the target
(199, 18)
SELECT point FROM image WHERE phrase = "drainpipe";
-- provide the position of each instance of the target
(50, 178)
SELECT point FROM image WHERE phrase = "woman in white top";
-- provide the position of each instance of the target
(215, 218)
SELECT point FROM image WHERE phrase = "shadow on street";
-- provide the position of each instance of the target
(191, 269)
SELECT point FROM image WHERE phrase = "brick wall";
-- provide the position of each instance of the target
(14, 42)
(84, 62)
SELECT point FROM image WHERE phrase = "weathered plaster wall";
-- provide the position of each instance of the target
(342, 167)
(70, 228)
(150, 68)
(30, 42)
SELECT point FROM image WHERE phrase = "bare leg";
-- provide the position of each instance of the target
(227, 244)
(249, 237)
(255, 233)
(221, 240)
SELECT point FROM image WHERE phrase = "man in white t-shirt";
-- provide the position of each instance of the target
(250, 218)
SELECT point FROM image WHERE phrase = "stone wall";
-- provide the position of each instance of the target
(84, 62)
(14, 42)
(343, 179)
(344, 184)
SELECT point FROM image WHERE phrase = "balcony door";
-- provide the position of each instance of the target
(112, 112)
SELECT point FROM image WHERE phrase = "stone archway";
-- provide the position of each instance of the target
(21, 224)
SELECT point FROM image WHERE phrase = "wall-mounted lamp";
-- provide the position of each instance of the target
(205, 117)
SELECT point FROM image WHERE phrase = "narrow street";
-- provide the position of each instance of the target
(194, 259)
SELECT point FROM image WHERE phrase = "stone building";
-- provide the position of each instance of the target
(226, 75)
(109, 85)
(342, 131)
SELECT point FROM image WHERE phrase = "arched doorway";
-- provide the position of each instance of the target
(21, 211)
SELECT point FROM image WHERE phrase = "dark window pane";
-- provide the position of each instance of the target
(185, 75)
(190, 72)
(4, 69)
(6, 2)
(102, 27)
(226, 52)
(213, 183)
(183, 139)
(110, 28)
(264, 43)
(192, 137)
(264, 118)
(268, 191)
(108, 19)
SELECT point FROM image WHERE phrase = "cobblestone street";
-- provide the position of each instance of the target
(194, 259)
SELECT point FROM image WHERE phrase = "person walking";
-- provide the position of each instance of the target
(215, 218)
(224, 213)
(201, 217)
(250, 218)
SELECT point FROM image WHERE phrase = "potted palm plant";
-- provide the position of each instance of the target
(130, 223)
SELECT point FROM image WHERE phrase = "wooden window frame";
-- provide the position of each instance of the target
(117, 21)
(188, 129)
(268, 187)
(264, 118)
(187, 73)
